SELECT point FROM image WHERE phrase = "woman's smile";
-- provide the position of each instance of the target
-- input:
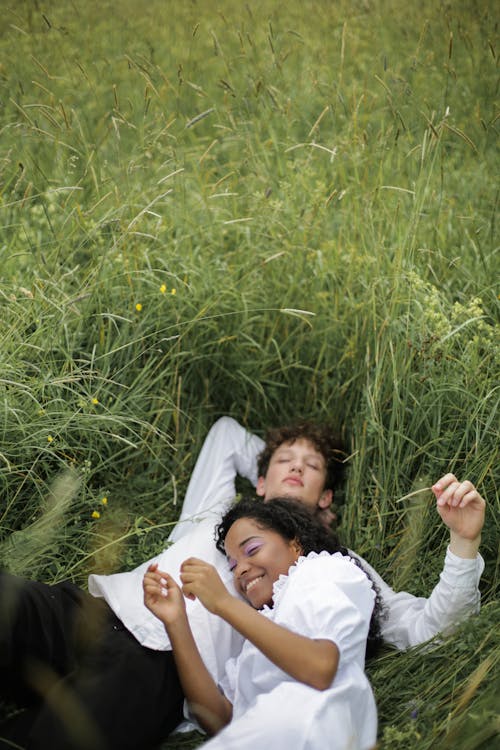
(257, 557)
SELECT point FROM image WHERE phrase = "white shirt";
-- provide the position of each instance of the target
(227, 451)
(323, 597)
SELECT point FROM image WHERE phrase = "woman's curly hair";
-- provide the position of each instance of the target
(295, 521)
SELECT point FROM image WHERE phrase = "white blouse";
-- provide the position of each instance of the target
(324, 596)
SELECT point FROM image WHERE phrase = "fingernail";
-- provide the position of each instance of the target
(163, 581)
(164, 592)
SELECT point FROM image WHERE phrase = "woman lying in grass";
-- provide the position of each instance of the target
(299, 680)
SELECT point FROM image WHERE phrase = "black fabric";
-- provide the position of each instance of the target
(83, 681)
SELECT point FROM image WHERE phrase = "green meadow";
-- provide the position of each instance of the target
(269, 210)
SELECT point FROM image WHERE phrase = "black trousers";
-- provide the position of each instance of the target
(83, 681)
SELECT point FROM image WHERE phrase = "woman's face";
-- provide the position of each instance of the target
(257, 557)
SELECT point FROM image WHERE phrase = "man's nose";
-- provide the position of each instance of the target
(297, 466)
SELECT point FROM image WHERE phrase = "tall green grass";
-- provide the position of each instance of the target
(266, 211)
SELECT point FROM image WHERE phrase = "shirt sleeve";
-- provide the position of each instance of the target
(329, 597)
(412, 620)
(227, 684)
(228, 450)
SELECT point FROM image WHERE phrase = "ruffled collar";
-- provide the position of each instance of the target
(279, 585)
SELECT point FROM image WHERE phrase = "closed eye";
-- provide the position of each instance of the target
(251, 549)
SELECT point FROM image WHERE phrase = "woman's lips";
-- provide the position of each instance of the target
(252, 583)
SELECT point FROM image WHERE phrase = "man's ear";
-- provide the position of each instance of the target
(326, 499)
(260, 488)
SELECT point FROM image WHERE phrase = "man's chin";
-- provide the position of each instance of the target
(290, 494)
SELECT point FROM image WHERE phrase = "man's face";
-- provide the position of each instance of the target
(297, 470)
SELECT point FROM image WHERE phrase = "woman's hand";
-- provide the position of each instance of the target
(201, 580)
(162, 596)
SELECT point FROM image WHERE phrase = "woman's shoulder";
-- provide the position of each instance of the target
(321, 569)
(317, 563)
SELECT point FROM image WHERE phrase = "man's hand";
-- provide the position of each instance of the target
(201, 580)
(462, 509)
(162, 596)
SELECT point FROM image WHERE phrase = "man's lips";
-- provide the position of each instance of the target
(297, 481)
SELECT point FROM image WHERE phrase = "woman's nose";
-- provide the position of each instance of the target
(241, 568)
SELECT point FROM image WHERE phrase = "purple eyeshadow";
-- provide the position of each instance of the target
(252, 547)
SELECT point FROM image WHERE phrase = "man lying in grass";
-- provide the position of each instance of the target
(299, 681)
(97, 671)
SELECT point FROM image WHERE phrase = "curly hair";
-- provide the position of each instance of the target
(295, 521)
(324, 440)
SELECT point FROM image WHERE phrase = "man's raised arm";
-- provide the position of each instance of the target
(228, 450)
(413, 620)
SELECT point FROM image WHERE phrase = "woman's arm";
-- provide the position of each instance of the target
(164, 598)
(311, 661)
(211, 708)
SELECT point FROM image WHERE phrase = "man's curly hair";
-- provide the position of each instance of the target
(293, 520)
(324, 440)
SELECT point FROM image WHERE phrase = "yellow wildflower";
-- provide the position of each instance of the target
(96, 514)
(104, 501)
(138, 307)
(95, 401)
(174, 291)
(163, 288)
(49, 438)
